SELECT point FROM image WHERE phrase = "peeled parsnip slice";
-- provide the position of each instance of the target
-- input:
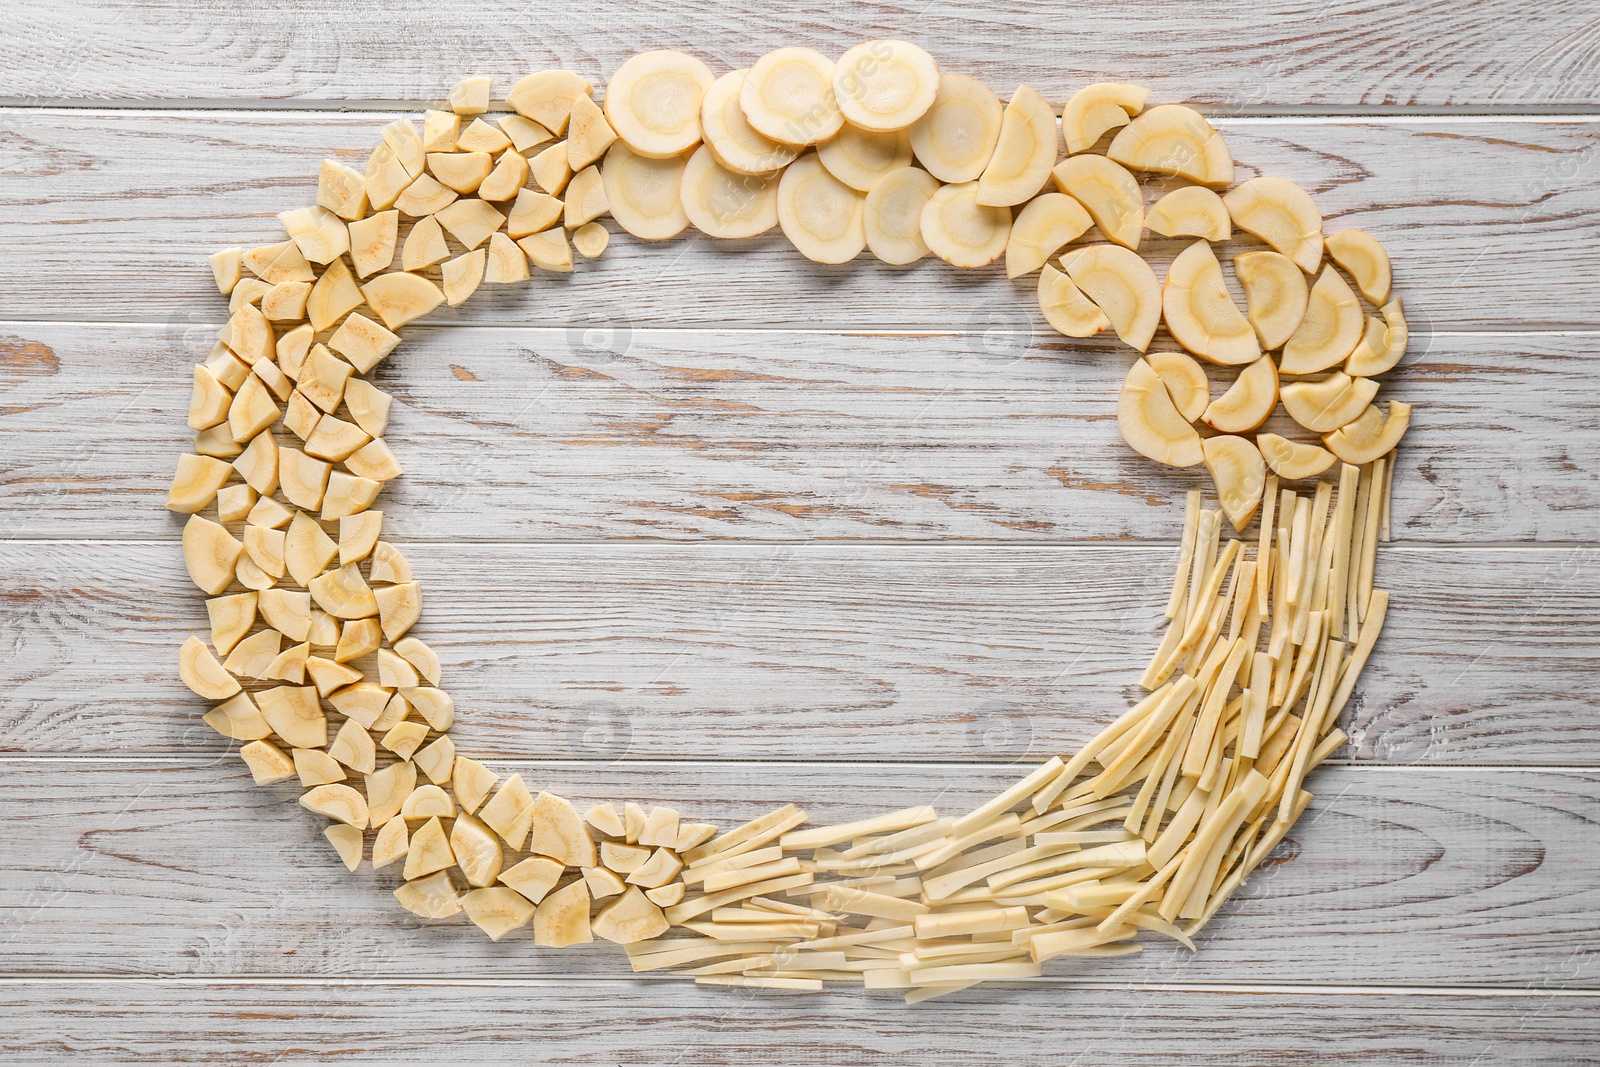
(195, 483)
(363, 342)
(334, 296)
(320, 235)
(547, 250)
(505, 261)
(398, 298)
(347, 842)
(231, 618)
(722, 203)
(1044, 224)
(1324, 405)
(497, 910)
(343, 594)
(1293, 459)
(960, 230)
(892, 217)
(1275, 294)
(210, 553)
(470, 96)
(476, 850)
(1239, 474)
(1360, 254)
(482, 137)
(368, 405)
(1192, 211)
(226, 264)
(1281, 214)
(532, 212)
(1330, 330)
(524, 133)
(1371, 434)
(591, 239)
(1200, 314)
(860, 158)
(461, 276)
(588, 137)
(1096, 109)
(431, 897)
(202, 673)
(644, 194)
(820, 215)
(653, 102)
(388, 565)
(239, 719)
(630, 918)
(1177, 140)
(737, 145)
(267, 762)
(357, 638)
(552, 168)
(1123, 285)
(787, 96)
(1248, 401)
(956, 138)
(286, 301)
(332, 439)
(1384, 343)
(439, 131)
(235, 502)
(208, 403)
(250, 335)
(586, 198)
(1028, 146)
(1065, 307)
(562, 918)
(424, 245)
(307, 550)
(254, 655)
(885, 84)
(424, 196)
(1150, 422)
(287, 612)
(1185, 380)
(470, 221)
(547, 97)
(1109, 193)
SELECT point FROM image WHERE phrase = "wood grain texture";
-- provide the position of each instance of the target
(506, 1019)
(517, 434)
(108, 215)
(801, 651)
(1425, 877)
(1233, 55)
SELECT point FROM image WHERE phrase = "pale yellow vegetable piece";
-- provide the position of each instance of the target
(286, 301)
(960, 230)
(281, 262)
(506, 261)
(533, 877)
(1200, 314)
(431, 897)
(1097, 109)
(653, 103)
(552, 168)
(533, 211)
(497, 910)
(470, 96)
(524, 133)
(315, 767)
(820, 215)
(602, 883)
(1330, 330)
(363, 342)
(787, 96)
(334, 296)
(588, 134)
(1191, 211)
(1282, 214)
(644, 194)
(1150, 422)
(1324, 405)
(388, 565)
(1383, 344)
(344, 594)
(590, 239)
(1185, 380)
(202, 673)
(1370, 435)
(892, 215)
(319, 234)
(428, 802)
(1364, 258)
(547, 250)
(372, 242)
(235, 502)
(267, 762)
(737, 144)
(630, 918)
(337, 802)
(209, 400)
(254, 655)
(1293, 459)
(470, 221)
(1239, 475)
(392, 842)
(461, 276)
(440, 130)
(510, 812)
(477, 850)
(302, 478)
(1275, 295)
(722, 203)
(1044, 224)
(562, 918)
(586, 198)
(547, 97)
(432, 704)
(956, 138)
(1123, 285)
(226, 264)
(1176, 140)
(430, 850)
(1248, 401)
(1110, 194)
(238, 718)
(1066, 308)
(399, 606)
(1027, 148)
(861, 158)
(558, 832)
(231, 618)
(307, 550)
(195, 483)
(885, 84)
(398, 298)
(425, 196)
(210, 553)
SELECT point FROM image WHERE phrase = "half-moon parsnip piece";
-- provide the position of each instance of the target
(1293, 459)
(1109, 193)
(721, 203)
(1384, 343)
(1330, 331)
(960, 230)
(1283, 215)
(1360, 254)
(737, 144)
(787, 95)
(1248, 401)
(547, 97)
(1185, 380)
(1323, 405)
(653, 102)
(1044, 224)
(1150, 422)
(1192, 211)
(644, 195)
(1239, 474)
(893, 215)
(955, 139)
(885, 84)
(1026, 150)
(821, 215)
(1177, 140)
(1096, 109)
(1275, 294)
(1066, 309)
(1200, 314)
(1123, 285)
(1370, 434)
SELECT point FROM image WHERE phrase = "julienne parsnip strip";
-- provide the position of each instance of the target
(1149, 827)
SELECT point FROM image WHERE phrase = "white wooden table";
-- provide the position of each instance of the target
(725, 529)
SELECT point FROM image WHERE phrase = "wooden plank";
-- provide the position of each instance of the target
(782, 652)
(641, 1023)
(515, 434)
(1491, 223)
(1421, 877)
(1494, 54)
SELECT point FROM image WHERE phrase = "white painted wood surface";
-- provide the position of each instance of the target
(811, 442)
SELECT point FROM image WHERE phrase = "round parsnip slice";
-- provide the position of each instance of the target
(788, 96)
(1123, 285)
(1045, 223)
(1192, 211)
(1150, 422)
(1185, 380)
(1236, 469)
(821, 215)
(1360, 254)
(1177, 140)
(1324, 405)
(893, 215)
(955, 139)
(653, 102)
(860, 158)
(1028, 147)
(1248, 401)
(1065, 308)
(720, 203)
(1370, 434)
(961, 231)
(884, 84)
(736, 143)
(1383, 344)
(1330, 331)
(643, 194)
(1109, 192)
(1200, 314)
(1095, 109)
(1275, 295)
(1281, 214)
(1293, 459)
